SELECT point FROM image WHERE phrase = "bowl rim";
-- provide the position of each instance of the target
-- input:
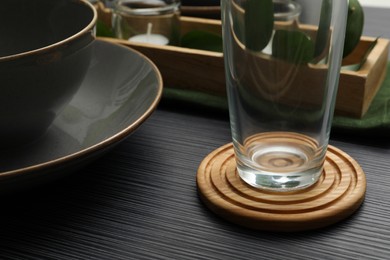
(107, 142)
(85, 29)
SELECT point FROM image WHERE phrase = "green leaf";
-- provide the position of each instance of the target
(292, 46)
(324, 27)
(259, 23)
(355, 23)
(357, 66)
(103, 30)
(238, 22)
(202, 40)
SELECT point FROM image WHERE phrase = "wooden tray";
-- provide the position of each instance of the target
(212, 12)
(199, 70)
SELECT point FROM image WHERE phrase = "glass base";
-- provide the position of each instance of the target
(280, 161)
(280, 182)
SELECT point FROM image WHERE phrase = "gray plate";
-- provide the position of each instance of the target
(120, 91)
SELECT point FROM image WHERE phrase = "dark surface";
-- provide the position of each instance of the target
(140, 202)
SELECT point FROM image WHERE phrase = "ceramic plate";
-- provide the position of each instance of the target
(121, 90)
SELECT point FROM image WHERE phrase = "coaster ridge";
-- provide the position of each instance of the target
(338, 194)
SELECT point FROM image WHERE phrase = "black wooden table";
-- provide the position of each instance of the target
(140, 200)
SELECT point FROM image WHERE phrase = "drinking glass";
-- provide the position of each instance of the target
(147, 21)
(282, 78)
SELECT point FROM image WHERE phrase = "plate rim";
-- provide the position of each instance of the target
(106, 142)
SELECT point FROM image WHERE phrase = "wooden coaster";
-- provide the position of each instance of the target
(339, 192)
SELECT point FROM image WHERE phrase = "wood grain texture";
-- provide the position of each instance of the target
(337, 195)
(140, 201)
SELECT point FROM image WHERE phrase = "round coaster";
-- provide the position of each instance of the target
(339, 192)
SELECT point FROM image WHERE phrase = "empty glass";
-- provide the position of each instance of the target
(282, 78)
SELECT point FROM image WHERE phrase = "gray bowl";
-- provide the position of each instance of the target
(119, 93)
(45, 50)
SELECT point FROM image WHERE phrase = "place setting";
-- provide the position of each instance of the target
(283, 61)
(280, 67)
(195, 129)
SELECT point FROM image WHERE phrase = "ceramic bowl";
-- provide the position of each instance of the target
(120, 91)
(45, 51)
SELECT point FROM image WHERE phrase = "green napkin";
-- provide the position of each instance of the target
(376, 121)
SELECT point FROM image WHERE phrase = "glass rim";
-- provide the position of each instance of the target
(294, 9)
(120, 6)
